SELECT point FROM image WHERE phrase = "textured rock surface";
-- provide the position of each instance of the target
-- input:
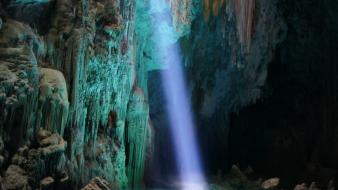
(20, 49)
(75, 94)
(38, 161)
(97, 184)
(15, 178)
(53, 101)
(71, 92)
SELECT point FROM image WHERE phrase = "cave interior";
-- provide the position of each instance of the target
(143, 94)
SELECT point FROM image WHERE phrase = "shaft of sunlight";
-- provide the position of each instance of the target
(178, 106)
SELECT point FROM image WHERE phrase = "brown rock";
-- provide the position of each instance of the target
(42, 134)
(54, 139)
(97, 183)
(15, 178)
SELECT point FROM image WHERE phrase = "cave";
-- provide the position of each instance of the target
(168, 94)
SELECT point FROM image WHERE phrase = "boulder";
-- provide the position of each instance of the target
(270, 183)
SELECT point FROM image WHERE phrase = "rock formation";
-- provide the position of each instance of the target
(69, 93)
(80, 93)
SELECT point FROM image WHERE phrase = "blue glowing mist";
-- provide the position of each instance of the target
(178, 106)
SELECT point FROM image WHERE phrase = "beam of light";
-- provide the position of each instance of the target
(178, 106)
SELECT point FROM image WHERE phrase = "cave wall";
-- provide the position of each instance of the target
(69, 74)
(263, 86)
(295, 130)
(75, 73)
(226, 56)
(262, 79)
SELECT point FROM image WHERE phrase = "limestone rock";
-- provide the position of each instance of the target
(20, 48)
(53, 85)
(42, 161)
(301, 187)
(46, 182)
(97, 184)
(270, 183)
(50, 143)
(53, 101)
(15, 179)
(183, 11)
(53, 139)
(42, 134)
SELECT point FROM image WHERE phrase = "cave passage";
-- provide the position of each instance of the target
(178, 106)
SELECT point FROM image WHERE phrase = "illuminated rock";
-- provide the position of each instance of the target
(53, 101)
(97, 184)
(19, 50)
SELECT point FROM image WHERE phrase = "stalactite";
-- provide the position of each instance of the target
(244, 11)
(212, 7)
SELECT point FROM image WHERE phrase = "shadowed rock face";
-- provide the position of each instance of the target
(262, 87)
(295, 134)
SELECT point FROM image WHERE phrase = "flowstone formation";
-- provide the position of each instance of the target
(73, 102)
(20, 47)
